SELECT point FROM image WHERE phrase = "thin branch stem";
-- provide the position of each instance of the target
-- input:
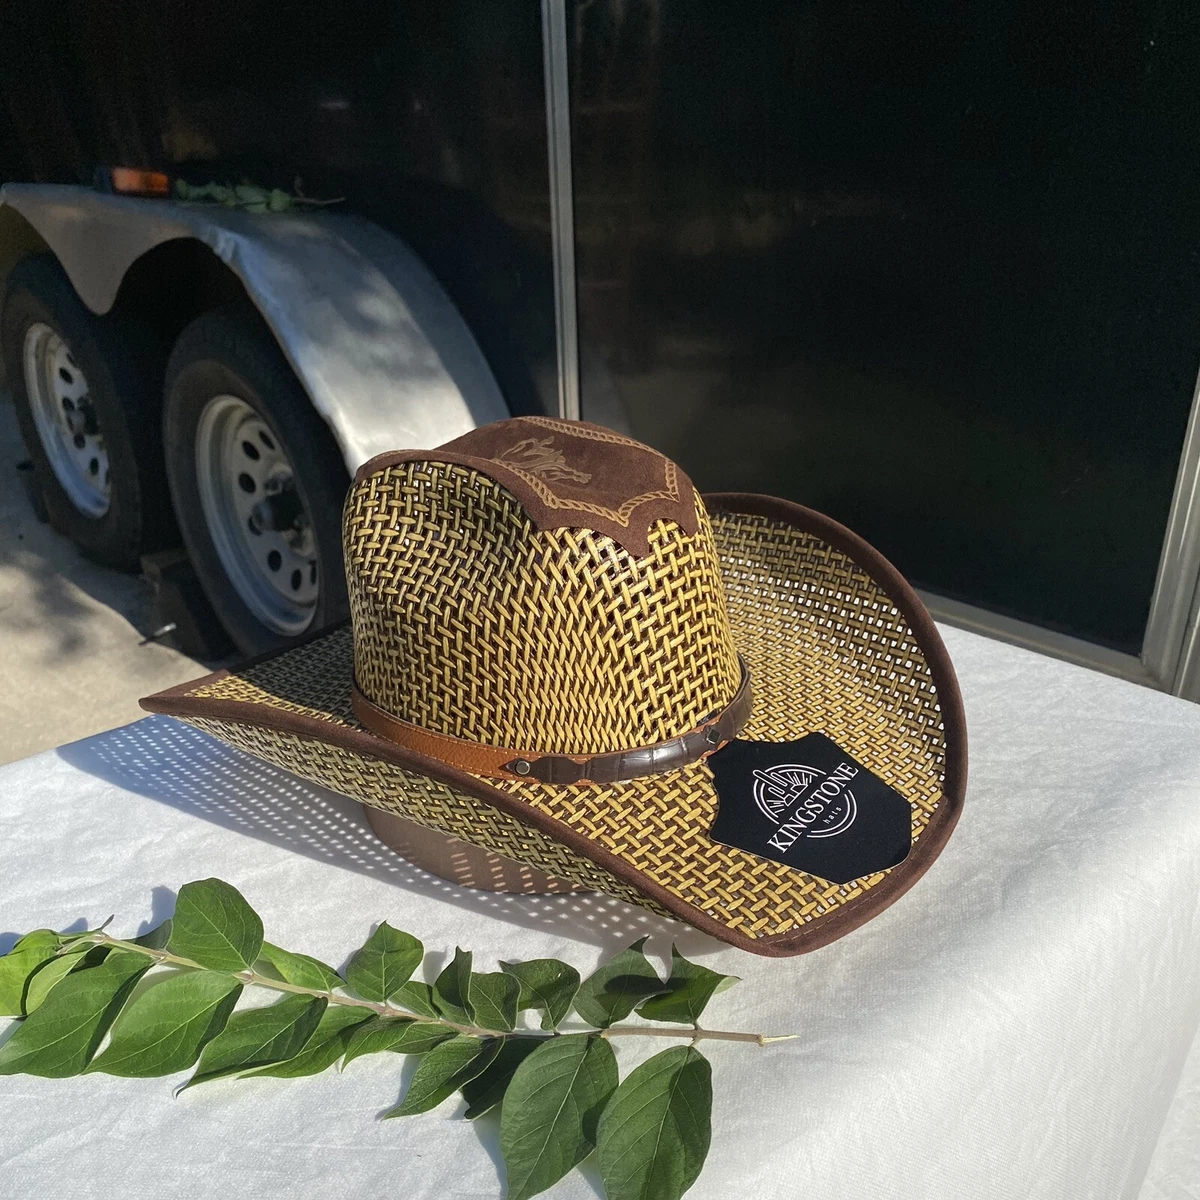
(695, 1034)
(254, 979)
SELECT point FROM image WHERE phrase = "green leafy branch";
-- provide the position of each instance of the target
(249, 196)
(557, 1090)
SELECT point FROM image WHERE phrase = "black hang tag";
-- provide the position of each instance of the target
(809, 805)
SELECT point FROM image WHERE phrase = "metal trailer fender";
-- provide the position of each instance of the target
(376, 343)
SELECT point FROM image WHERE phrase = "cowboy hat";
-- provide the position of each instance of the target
(730, 709)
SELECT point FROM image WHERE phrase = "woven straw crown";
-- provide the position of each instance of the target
(470, 621)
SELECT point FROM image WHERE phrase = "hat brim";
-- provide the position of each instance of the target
(836, 642)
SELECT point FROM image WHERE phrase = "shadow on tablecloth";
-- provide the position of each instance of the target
(178, 765)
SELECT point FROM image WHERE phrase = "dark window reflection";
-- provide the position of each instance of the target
(928, 268)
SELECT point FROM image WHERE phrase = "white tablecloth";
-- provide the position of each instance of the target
(1016, 1026)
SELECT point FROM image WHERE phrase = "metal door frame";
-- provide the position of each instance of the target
(1170, 657)
(1171, 650)
(557, 69)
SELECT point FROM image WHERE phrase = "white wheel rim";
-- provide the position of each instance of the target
(262, 532)
(66, 420)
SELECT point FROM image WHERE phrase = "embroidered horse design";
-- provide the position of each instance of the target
(538, 457)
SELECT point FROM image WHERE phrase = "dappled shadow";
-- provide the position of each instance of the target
(177, 765)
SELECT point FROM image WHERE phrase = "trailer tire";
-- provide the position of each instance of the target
(257, 480)
(86, 390)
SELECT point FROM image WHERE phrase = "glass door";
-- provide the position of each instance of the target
(929, 269)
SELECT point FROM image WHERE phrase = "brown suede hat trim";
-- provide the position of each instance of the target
(569, 475)
(178, 702)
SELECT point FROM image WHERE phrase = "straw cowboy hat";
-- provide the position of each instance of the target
(729, 710)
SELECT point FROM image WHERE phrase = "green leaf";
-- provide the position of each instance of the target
(417, 997)
(689, 990)
(494, 1000)
(60, 1038)
(551, 1110)
(443, 1071)
(19, 963)
(612, 992)
(257, 1037)
(299, 969)
(166, 1027)
(384, 964)
(486, 1090)
(325, 1047)
(249, 193)
(215, 927)
(655, 1132)
(68, 939)
(157, 938)
(547, 985)
(391, 1033)
(452, 990)
(38, 986)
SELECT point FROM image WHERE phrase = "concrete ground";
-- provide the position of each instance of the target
(70, 659)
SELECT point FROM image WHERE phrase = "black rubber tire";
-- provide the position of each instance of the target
(123, 364)
(229, 351)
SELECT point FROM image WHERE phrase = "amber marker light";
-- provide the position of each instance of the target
(130, 181)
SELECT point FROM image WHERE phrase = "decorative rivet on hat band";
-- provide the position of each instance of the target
(614, 767)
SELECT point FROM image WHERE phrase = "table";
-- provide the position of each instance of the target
(1016, 1026)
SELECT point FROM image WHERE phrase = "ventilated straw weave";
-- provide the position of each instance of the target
(471, 622)
(828, 651)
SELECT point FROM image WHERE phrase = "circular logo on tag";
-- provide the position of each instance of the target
(813, 804)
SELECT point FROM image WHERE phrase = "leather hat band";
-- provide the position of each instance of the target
(497, 762)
